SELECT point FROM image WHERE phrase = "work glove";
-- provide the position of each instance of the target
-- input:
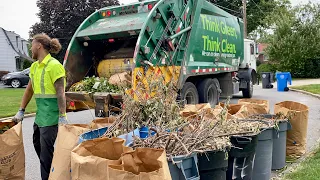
(19, 116)
(63, 120)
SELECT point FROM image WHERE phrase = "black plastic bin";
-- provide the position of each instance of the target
(241, 157)
(213, 165)
(267, 80)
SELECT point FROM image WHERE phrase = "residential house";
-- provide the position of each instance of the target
(262, 56)
(13, 51)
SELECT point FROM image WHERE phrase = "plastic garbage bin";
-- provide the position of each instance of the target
(282, 81)
(184, 167)
(263, 158)
(279, 145)
(267, 80)
(241, 157)
(213, 165)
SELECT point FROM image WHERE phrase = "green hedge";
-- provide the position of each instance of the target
(267, 68)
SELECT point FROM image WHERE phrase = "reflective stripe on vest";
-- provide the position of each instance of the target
(43, 90)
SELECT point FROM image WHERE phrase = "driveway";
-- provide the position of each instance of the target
(32, 162)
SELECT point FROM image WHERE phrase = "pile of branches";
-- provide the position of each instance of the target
(94, 84)
(157, 108)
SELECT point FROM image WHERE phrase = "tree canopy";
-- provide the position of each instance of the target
(61, 18)
(295, 40)
(257, 10)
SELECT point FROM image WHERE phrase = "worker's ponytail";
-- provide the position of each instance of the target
(51, 45)
(55, 46)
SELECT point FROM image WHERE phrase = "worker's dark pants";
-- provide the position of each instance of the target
(43, 141)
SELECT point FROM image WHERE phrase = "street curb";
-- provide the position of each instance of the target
(305, 92)
(25, 116)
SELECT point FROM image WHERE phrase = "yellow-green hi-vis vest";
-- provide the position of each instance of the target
(43, 76)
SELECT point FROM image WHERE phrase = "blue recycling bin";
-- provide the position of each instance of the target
(282, 80)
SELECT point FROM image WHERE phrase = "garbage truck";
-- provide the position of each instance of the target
(194, 42)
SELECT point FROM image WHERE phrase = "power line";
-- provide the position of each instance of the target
(258, 7)
(228, 9)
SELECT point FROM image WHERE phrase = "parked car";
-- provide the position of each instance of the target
(16, 79)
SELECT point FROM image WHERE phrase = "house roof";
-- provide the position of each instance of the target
(16, 49)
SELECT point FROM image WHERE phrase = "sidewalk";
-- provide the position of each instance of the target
(305, 82)
(300, 82)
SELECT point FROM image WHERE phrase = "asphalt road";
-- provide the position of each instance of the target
(32, 162)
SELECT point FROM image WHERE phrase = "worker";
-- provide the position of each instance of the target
(47, 84)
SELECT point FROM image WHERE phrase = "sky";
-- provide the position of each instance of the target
(20, 15)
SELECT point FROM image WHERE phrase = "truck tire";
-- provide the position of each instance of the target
(189, 94)
(208, 91)
(248, 92)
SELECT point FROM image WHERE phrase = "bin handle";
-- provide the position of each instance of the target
(179, 164)
(244, 141)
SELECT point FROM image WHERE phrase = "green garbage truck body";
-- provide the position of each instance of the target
(205, 43)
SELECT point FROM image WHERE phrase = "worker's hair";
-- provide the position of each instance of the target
(51, 45)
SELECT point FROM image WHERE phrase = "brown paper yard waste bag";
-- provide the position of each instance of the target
(67, 140)
(193, 109)
(141, 164)
(298, 115)
(260, 102)
(102, 122)
(90, 159)
(12, 157)
(243, 111)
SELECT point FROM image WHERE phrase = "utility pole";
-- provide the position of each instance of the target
(244, 4)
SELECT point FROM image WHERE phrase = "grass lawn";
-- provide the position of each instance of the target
(308, 169)
(313, 88)
(10, 102)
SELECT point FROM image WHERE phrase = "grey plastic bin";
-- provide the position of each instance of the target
(279, 145)
(184, 168)
(263, 159)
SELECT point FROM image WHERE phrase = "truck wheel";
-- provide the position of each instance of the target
(248, 92)
(189, 94)
(208, 92)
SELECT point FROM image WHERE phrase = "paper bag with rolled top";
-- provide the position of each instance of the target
(12, 156)
(141, 164)
(91, 158)
(298, 115)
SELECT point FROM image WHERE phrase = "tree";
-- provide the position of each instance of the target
(61, 18)
(257, 10)
(295, 41)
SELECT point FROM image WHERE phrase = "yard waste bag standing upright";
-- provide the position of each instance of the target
(141, 164)
(298, 115)
(67, 140)
(91, 158)
(12, 157)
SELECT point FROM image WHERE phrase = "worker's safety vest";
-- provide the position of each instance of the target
(43, 76)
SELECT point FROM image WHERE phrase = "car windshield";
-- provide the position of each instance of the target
(26, 71)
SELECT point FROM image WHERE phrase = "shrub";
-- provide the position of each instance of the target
(267, 68)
